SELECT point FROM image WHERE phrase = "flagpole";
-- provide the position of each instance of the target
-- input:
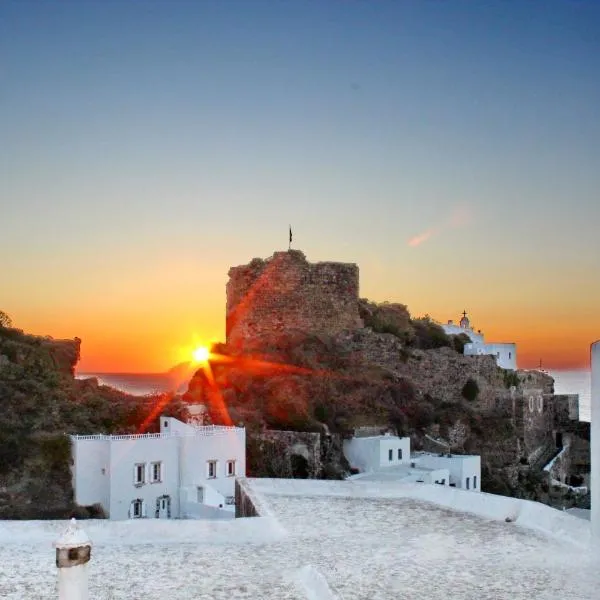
(290, 244)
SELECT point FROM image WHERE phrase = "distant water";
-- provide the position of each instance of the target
(575, 382)
(137, 384)
(142, 384)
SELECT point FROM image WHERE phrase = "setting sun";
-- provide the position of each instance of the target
(201, 354)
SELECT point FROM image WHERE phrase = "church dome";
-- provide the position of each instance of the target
(464, 322)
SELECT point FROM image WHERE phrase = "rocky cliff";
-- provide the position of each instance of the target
(40, 402)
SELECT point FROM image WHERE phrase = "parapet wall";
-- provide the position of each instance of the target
(286, 293)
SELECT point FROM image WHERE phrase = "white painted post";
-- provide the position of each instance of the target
(595, 441)
(73, 550)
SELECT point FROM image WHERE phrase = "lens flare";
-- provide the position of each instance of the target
(201, 354)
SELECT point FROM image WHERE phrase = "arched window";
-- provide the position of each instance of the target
(531, 408)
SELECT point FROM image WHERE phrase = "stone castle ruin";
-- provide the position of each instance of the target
(286, 292)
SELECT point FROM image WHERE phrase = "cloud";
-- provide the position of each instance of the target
(417, 240)
(460, 217)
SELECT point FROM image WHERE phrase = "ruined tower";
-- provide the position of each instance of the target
(287, 293)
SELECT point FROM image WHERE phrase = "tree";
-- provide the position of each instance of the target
(5, 320)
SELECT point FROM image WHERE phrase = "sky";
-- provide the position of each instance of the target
(450, 149)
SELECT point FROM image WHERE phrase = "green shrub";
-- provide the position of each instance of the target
(459, 341)
(428, 335)
(511, 379)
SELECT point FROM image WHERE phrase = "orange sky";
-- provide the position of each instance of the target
(151, 321)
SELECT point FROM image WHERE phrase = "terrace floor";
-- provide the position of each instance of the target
(362, 548)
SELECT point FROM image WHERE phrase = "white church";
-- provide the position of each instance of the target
(505, 353)
(185, 471)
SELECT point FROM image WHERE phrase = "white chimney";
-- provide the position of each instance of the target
(595, 441)
(73, 550)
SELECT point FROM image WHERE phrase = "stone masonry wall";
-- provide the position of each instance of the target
(295, 443)
(286, 292)
(537, 413)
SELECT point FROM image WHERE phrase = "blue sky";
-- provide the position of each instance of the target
(136, 135)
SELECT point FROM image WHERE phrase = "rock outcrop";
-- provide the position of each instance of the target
(40, 402)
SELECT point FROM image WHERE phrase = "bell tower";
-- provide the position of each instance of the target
(464, 322)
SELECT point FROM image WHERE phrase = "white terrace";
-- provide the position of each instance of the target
(325, 540)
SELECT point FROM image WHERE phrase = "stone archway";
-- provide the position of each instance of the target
(299, 466)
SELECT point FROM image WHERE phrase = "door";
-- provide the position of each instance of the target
(164, 507)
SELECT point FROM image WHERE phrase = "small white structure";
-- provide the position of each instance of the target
(73, 551)
(376, 452)
(406, 473)
(388, 458)
(595, 442)
(185, 471)
(464, 469)
(505, 353)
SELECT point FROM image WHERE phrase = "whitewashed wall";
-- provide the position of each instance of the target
(220, 445)
(457, 330)
(91, 471)
(505, 354)
(123, 457)
(369, 453)
(172, 426)
(362, 453)
(460, 468)
(394, 444)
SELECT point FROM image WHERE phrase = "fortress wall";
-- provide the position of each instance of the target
(286, 292)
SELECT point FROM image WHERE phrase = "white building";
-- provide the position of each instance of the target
(388, 458)
(185, 471)
(505, 353)
(464, 469)
(378, 451)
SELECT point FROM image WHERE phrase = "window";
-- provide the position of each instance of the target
(155, 472)
(391, 454)
(468, 483)
(139, 474)
(200, 491)
(510, 355)
(474, 482)
(399, 453)
(212, 469)
(230, 468)
(137, 509)
(166, 423)
(444, 481)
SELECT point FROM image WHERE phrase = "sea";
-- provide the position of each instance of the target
(575, 382)
(138, 384)
(143, 384)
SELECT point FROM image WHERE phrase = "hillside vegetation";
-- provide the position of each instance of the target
(40, 402)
